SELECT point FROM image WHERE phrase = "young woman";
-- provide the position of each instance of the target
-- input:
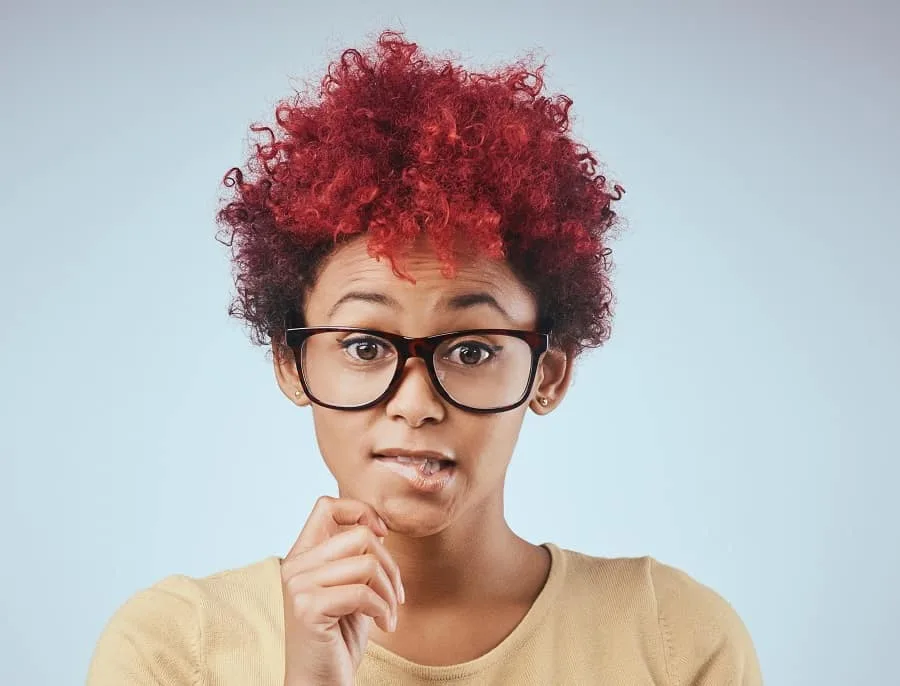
(425, 249)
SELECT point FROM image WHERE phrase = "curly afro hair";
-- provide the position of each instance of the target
(396, 146)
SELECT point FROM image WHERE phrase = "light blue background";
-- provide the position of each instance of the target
(740, 424)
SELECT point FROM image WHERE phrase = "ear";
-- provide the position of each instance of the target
(287, 376)
(553, 378)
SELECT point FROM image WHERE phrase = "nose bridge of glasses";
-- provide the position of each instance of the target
(422, 348)
(407, 372)
(419, 347)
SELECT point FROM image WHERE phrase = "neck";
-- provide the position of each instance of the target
(476, 558)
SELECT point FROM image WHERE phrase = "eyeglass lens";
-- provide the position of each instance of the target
(481, 371)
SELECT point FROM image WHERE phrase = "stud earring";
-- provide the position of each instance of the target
(298, 393)
(543, 401)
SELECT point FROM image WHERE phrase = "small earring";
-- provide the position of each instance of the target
(298, 393)
(543, 401)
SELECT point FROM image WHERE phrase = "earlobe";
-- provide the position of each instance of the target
(541, 405)
(554, 377)
(287, 377)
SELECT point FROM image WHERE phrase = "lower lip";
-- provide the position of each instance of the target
(431, 483)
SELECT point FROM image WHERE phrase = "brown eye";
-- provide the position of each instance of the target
(364, 349)
(470, 354)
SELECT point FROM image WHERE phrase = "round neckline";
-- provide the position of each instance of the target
(522, 631)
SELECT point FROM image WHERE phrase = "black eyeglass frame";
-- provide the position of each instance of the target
(423, 348)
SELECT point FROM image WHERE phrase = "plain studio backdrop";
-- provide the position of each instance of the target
(740, 424)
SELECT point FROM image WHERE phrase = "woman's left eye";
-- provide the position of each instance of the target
(470, 353)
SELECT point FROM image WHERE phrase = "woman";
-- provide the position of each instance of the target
(426, 251)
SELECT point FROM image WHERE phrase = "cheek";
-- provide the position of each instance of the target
(337, 434)
(492, 440)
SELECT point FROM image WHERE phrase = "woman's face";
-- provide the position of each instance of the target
(353, 289)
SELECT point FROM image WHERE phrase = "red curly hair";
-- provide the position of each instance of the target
(396, 146)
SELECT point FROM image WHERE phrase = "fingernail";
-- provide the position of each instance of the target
(402, 594)
(393, 622)
(382, 524)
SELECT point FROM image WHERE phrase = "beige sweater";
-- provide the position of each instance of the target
(622, 622)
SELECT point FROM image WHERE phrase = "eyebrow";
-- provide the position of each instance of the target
(364, 296)
(467, 300)
(456, 303)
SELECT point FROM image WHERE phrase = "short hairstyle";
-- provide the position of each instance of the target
(396, 145)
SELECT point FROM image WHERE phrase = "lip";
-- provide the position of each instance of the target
(430, 483)
(426, 454)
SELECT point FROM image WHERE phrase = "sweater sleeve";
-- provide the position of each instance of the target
(152, 640)
(705, 641)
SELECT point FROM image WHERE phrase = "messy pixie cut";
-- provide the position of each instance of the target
(395, 146)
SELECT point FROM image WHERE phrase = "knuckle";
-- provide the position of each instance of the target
(363, 595)
(369, 536)
(323, 501)
(363, 536)
(391, 565)
(371, 564)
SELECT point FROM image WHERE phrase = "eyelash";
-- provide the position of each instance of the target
(484, 347)
(348, 343)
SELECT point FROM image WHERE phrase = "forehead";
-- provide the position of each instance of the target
(350, 272)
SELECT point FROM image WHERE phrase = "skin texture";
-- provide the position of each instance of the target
(457, 557)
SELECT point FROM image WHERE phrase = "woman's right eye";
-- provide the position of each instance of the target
(364, 349)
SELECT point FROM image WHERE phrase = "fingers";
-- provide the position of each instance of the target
(339, 566)
(329, 515)
(328, 605)
(350, 571)
(358, 541)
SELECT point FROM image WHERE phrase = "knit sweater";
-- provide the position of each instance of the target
(620, 621)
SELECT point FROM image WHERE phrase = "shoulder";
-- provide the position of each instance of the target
(162, 633)
(154, 637)
(701, 638)
(702, 632)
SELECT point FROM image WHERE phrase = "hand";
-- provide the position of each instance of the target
(336, 579)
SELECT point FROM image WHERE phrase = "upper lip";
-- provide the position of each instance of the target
(423, 454)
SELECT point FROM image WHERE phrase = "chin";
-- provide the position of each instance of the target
(412, 518)
(409, 505)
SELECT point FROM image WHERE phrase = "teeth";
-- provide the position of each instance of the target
(410, 460)
(426, 465)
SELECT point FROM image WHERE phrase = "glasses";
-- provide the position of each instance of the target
(478, 370)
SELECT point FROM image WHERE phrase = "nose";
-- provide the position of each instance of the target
(414, 399)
